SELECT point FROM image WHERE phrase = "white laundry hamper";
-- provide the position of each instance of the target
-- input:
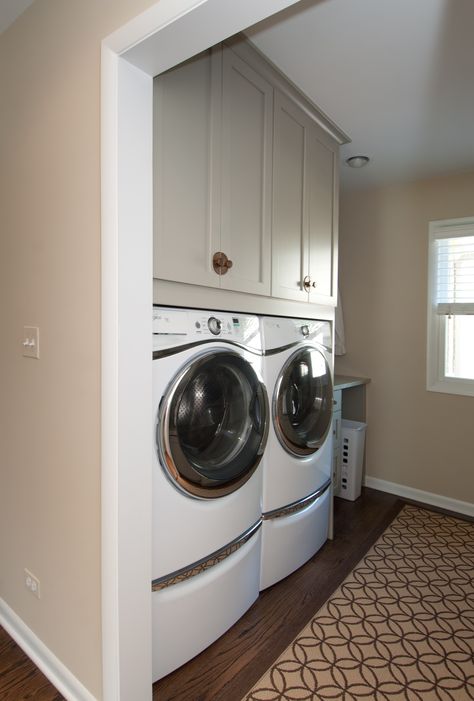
(352, 458)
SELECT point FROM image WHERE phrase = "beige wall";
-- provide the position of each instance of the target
(50, 277)
(415, 438)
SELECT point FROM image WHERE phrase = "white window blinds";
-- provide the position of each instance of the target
(455, 272)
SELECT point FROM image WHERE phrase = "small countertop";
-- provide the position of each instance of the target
(346, 381)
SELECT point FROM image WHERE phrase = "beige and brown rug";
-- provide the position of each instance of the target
(399, 628)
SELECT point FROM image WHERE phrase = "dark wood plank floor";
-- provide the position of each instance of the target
(229, 667)
(20, 679)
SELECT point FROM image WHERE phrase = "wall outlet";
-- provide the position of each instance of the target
(32, 583)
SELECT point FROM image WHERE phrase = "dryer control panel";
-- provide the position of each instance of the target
(279, 332)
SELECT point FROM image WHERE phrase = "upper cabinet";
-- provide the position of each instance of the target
(212, 174)
(186, 171)
(246, 196)
(245, 180)
(305, 207)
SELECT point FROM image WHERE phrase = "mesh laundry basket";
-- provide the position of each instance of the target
(352, 458)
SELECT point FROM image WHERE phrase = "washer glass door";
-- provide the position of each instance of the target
(213, 424)
(302, 403)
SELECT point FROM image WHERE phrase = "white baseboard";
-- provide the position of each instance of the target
(460, 507)
(57, 673)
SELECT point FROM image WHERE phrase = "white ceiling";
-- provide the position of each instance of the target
(396, 75)
(10, 10)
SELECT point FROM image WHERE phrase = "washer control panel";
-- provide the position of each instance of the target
(212, 324)
(181, 326)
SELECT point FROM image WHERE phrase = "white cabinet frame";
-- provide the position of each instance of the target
(166, 34)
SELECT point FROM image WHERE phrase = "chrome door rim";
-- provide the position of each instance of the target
(163, 444)
(290, 447)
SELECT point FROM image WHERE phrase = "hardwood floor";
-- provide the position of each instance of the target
(20, 679)
(229, 667)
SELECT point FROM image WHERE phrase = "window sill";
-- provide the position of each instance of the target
(449, 385)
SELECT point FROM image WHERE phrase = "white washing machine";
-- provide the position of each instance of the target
(211, 419)
(297, 372)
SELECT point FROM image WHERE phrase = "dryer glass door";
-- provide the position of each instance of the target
(302, 404)
(213, 425)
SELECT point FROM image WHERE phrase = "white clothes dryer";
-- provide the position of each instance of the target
(211, 422)
(298, 368)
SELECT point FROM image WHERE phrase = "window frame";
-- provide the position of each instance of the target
(437, 380)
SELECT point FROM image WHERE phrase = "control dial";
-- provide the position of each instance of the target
(305, 330)
(215, 325)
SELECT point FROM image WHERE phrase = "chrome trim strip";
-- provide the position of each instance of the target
(302, 342)
(166, 352)
(206, 563)
(297, 505)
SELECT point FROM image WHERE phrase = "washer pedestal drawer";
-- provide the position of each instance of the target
(190, 615)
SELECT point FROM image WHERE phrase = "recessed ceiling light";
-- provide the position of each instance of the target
(357, 161)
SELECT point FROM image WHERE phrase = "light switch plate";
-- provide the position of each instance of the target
(31, 341)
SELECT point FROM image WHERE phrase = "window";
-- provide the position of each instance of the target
(451, 307)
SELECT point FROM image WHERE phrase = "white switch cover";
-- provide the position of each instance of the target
(31, 341)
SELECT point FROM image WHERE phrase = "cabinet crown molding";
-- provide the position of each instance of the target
(248, 52)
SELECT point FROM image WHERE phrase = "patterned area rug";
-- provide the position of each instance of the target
(399, 628)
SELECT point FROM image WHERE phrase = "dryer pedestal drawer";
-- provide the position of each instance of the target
(289, 541)
(190, 615)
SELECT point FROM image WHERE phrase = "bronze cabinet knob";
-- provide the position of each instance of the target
(308, 283)
(221, 263)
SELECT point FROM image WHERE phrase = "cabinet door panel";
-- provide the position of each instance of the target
(185, 169)
(322, 216)
(246, 176)
(289, 201)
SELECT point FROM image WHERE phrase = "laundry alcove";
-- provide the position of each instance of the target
(166, 34)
